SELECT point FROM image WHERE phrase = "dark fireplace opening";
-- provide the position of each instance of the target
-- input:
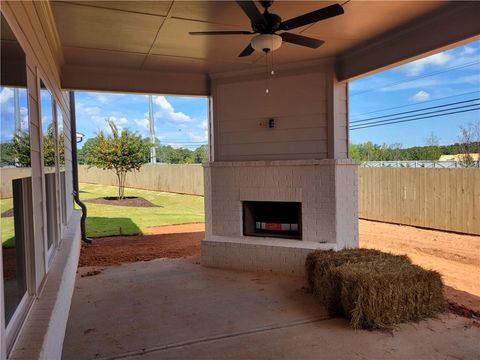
(272, 219)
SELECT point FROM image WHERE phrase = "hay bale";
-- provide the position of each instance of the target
(330, 256)
(381, 293)
(325, 284)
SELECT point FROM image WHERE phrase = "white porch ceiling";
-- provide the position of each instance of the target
(153, 36)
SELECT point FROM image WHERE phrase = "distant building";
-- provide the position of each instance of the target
(459, 157)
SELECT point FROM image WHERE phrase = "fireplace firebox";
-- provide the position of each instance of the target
(272, 219)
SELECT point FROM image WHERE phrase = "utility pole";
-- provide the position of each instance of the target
(153, 153)
(16, 111)
(17, 118)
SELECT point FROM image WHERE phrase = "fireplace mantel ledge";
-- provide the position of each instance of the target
(306, 162)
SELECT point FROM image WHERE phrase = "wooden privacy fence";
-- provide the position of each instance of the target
(183, 179)
(444, 199)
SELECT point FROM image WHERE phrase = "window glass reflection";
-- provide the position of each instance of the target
(15, 162)
(48, 129)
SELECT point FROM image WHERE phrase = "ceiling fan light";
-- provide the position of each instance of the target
(266, 42)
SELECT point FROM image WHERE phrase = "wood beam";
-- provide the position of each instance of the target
(134, 81)
(452, 25)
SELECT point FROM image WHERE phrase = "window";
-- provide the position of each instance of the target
(16, 185)
(61, 166)
(49, 138)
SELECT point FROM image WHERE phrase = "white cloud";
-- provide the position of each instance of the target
(167, 112)
(468, 79)
(101, 123)
(92, 110)
(416, 67)
(81, 109)
(106, 98)
(421, 96)
(414, 84)
(143, 123)
(5, 95)
(201, 137)
(468, 50)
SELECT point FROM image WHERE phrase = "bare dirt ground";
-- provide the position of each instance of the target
(174, 241)
(455, 256)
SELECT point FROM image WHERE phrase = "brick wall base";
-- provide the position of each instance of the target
(259, 254)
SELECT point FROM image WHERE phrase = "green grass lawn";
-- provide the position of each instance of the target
(107, 220)
(6, 224)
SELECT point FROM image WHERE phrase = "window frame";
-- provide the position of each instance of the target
(49, 251)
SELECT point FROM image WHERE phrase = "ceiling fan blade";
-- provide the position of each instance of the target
(312, 17)
(301, 40)
(247, 51)
(221, 32)
(255, 16)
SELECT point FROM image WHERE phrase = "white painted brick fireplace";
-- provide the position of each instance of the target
(325, 189)
(302, 159)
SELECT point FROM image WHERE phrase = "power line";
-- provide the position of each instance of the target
(414, 116)
(423, 102)
(416, 78)
(383, 123)
(418, 110)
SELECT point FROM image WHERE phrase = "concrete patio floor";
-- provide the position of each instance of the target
(177, 309)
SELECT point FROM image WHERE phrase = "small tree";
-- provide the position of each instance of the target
(122, 152)
(469, 144)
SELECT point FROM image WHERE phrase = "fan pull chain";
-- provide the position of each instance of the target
(272, 72)
(267, 90)
(269, 71)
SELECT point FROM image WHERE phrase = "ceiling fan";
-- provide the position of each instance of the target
(267, 25)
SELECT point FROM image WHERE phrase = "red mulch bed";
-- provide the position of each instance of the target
(7, 213)
(168, 242)
(126, 201)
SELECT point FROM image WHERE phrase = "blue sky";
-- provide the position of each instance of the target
(182, 121)
(423, 83)
(179, 120)
(7, 113)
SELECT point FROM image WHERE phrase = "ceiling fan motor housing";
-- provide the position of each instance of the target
(266, 42)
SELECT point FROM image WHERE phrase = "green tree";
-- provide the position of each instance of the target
(123, 152)
(49, 147)
(87, 151)
(6, 154)
(432, 149)
(200, 154)
(21, 149)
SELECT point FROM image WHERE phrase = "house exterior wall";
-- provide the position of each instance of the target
(302, 102)
(33, 26)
